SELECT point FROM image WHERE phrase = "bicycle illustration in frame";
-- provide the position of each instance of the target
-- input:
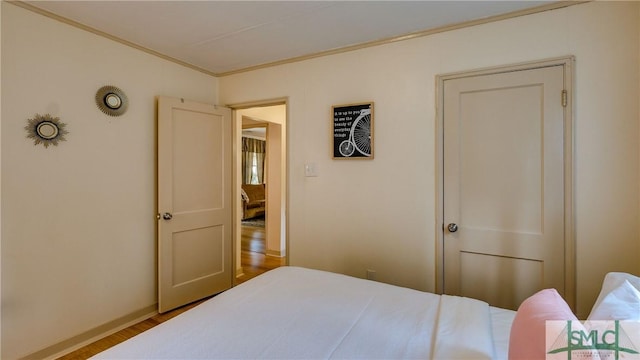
(353, 131)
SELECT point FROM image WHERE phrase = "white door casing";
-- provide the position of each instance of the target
(194, 201)
(506, 184)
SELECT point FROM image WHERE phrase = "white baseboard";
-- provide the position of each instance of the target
(276, 253)
(67, 346)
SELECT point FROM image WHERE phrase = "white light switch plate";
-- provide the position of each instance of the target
(310, 170)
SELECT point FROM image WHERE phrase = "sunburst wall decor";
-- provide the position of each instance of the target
(46, 130)
(112, 100)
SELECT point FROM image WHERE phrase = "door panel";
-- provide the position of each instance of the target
(476, 268)
(503, 175)
(194, 188)
(504, 185)
(193, 133)
(196, 254)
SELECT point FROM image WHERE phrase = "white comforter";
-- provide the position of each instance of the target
(296, 313)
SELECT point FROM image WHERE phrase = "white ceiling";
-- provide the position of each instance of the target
(227, 36)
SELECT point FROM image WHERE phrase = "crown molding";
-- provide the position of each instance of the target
(81, 26)
(414, 35)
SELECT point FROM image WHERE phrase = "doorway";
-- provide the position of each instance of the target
(505, 183)
(260, 178)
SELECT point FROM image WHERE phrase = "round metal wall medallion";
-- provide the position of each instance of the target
(112, 100)
(46, 130)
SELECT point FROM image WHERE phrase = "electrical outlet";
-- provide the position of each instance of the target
(371, 274)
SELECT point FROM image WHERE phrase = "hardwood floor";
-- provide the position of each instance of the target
(253, 258)
(254, 262)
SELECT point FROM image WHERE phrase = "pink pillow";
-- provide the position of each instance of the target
(527, 339)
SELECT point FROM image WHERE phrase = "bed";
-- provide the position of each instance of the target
(299, 313)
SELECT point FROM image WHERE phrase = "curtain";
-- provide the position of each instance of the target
(253, 151)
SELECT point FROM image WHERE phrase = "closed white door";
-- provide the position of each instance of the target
(504, 220)
(194, 201)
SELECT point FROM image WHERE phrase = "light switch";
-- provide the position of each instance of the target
(310, 170)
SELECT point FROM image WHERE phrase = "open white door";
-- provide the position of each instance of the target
(194, 201)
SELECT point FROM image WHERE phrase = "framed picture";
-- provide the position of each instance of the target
(353, 131)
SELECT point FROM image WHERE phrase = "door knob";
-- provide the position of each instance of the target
(452, 227)
(167, 216)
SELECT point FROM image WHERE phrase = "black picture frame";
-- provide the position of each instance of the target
(352, 131)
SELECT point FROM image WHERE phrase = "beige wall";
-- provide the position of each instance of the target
(276, 114)
(379, 214)
(78, 220)
(276, 245)
(0, 183)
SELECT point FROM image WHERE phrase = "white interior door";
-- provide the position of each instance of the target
(194, 201)
(504, 219)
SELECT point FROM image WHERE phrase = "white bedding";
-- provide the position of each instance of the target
(297, 313)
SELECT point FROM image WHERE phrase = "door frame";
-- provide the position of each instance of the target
(567, 62)
(236, 219)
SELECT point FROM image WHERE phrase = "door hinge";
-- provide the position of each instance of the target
(564, 98)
